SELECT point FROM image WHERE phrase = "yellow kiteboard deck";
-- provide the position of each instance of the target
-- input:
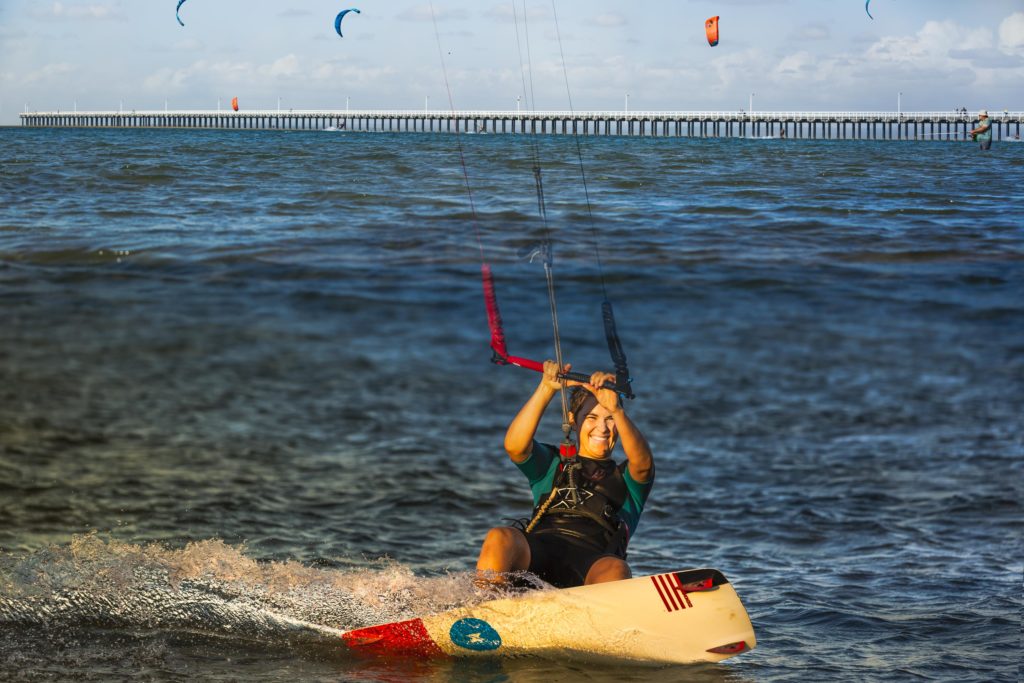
(681, 617)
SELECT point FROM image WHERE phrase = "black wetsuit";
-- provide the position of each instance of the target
(595, 510)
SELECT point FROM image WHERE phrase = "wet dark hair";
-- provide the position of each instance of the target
(576, 398)
(577, 402)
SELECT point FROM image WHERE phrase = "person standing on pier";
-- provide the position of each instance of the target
(983, 133)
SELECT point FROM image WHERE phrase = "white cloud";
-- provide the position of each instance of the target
(424, 13)
(50, 72)
(608, 19)
(989, 59)
(1011, 34)
(189, 44)
(813, 31)
(294, 12)
(95, 11)
(506, 13)
(736, 66)
(287, 66)
(930, 47)
(166, 80)
(798, 65)
(940, 51)
(288, 69)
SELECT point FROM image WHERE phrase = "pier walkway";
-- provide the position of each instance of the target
(704, 124)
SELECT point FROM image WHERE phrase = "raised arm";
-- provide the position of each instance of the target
(635, 446)
(519, 437)
(634, 443)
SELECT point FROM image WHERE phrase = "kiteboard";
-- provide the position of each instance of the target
(680, 617)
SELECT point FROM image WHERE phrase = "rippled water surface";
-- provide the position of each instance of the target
(245, 392)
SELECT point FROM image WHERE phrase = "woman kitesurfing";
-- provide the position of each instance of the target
(586, 506)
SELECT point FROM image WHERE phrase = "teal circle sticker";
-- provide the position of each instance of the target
(475, 634)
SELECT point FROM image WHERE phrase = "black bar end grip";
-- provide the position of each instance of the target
(623, 388)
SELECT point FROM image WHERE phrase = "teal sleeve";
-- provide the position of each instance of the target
(635, 499)
(539, 468)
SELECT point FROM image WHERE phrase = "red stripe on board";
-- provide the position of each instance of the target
(680, 597)
(668, 592)
(654, 580)
(408, 638)
(680, 590)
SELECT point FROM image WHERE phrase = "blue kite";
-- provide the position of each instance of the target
(341, 15)
(176, 11)
(866, 3)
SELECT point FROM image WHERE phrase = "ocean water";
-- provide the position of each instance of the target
(245, 392)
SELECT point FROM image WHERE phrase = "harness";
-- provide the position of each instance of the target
(583, 506)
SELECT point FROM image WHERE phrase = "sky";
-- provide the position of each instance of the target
(778, 55)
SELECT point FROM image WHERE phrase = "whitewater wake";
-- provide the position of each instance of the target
(211, 587)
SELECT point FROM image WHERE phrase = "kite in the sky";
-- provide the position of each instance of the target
(711, 28)
(866, 3)
(177, 9)
(341, 15)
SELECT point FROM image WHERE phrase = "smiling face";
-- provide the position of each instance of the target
(597, 433)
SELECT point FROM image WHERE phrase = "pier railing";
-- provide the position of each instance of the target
(782, 124)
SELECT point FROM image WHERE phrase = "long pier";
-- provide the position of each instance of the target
(693, 124)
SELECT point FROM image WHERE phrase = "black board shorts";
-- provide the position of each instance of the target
(560, 562)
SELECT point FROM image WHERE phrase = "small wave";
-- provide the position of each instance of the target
(70, 256)
(907, 256)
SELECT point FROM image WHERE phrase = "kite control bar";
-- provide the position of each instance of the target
(622, 383)
(622, 388)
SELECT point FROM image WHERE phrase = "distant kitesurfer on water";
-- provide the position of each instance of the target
(586, 507)
(983, 133)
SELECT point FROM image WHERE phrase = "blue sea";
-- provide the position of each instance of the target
(245, 391)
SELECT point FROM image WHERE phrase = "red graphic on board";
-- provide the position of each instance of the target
(403, 637)
(672, 592)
